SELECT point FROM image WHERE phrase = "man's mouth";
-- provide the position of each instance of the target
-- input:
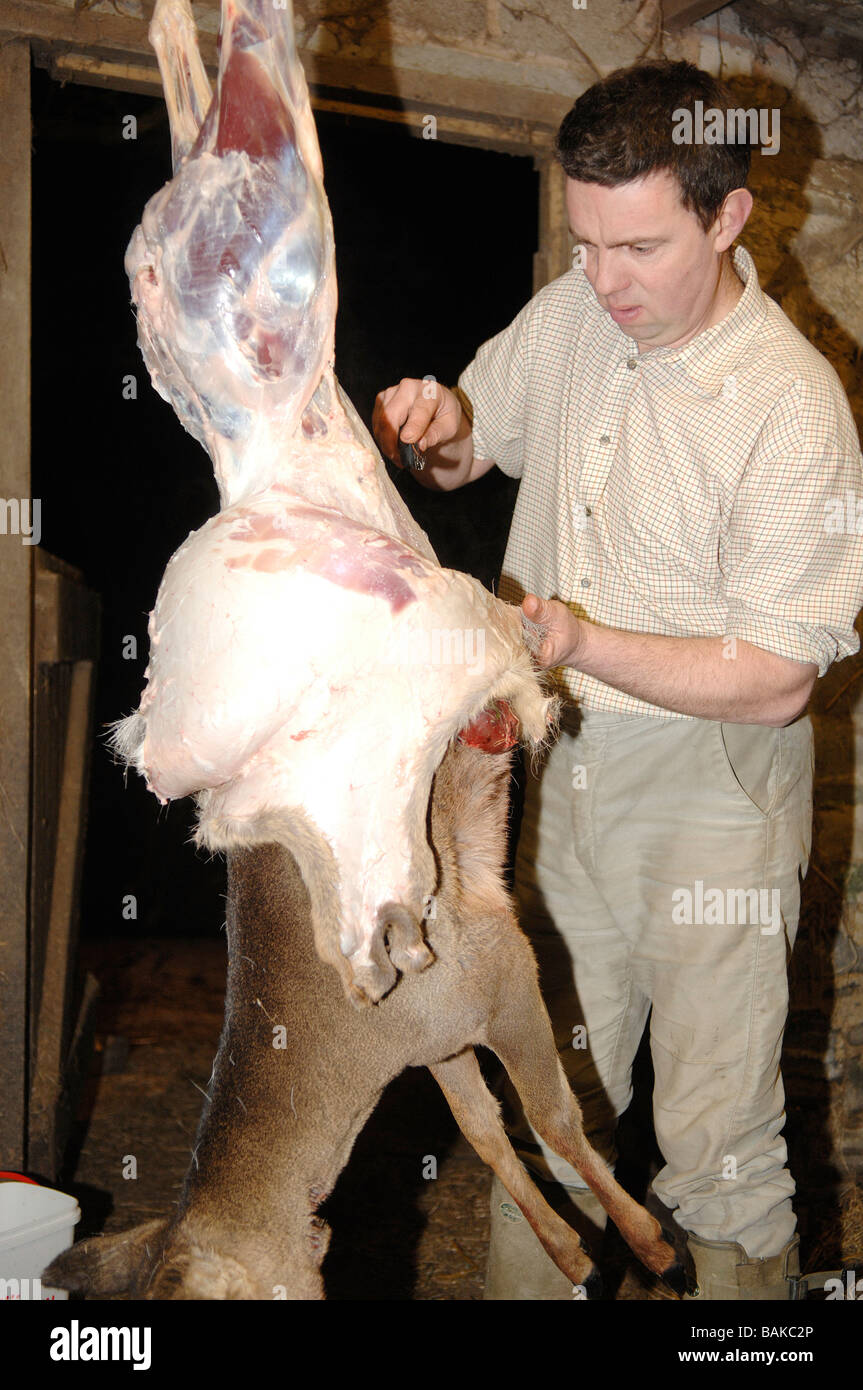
(624, 315)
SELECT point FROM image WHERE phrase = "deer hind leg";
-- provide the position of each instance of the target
(184, 78)
(104, 1265)
(478, 1116)
(519, 1032)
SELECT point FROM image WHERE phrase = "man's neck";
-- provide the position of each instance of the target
(728, 291)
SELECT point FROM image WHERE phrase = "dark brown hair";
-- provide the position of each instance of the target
(620, 129)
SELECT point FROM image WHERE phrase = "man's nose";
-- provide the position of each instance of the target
(608, 275)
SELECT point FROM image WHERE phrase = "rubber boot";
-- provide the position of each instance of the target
(725, 1272)
(518, 1267)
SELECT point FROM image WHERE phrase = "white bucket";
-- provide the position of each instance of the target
(36, 1223)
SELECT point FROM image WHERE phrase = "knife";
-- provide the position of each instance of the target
(410, 456)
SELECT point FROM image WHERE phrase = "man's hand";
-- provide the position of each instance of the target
(430, 416)
(563, 639)
(420, 412)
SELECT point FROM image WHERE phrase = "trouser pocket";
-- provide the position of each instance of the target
(752, 754)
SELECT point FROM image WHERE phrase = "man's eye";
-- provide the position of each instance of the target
(644, 250)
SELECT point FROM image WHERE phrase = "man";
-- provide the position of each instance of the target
(680, 448)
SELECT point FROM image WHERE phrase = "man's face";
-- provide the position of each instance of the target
(651, 265)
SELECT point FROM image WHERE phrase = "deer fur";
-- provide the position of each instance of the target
(280, 1124)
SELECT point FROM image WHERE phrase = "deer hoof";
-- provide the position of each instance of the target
(679, 1275)
(676, 1278)
(591, 1285)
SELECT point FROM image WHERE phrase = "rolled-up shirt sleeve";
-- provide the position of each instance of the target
(793, 557)
(495, 384)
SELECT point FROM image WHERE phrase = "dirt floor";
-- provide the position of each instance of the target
(395, 1234)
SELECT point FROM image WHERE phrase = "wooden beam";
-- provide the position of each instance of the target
(65, 647)
(461, 127)
(51, 1023)
(554, 255)
(16, 571)
(117, 48)
(677, 14)
(119, 74)
(95, 32)
(66, 613)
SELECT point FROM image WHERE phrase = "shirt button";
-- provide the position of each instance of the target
(605, 439)
(632, 363)
(585, 583)
(588, 511)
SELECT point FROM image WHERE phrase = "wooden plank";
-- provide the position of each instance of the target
(66, 613)
(16, 566)
(553, 238)
(49, 717)
(53, 1025)
(94, 32)
(117, 74)
(65, 645)
(452, 128)
(676, 14)
(461, 127)
(76, 1072)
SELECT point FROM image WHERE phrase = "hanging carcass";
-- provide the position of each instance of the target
(291, 686)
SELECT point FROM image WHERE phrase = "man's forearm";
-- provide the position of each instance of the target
(721, 678)
(710, 677)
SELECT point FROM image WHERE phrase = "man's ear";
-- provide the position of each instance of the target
(732, 218)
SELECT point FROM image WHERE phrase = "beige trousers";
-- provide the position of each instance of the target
(659, 868)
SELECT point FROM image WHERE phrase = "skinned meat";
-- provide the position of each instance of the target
(310, 661)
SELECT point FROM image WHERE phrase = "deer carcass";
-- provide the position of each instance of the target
(291, 690)
(286, 688)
